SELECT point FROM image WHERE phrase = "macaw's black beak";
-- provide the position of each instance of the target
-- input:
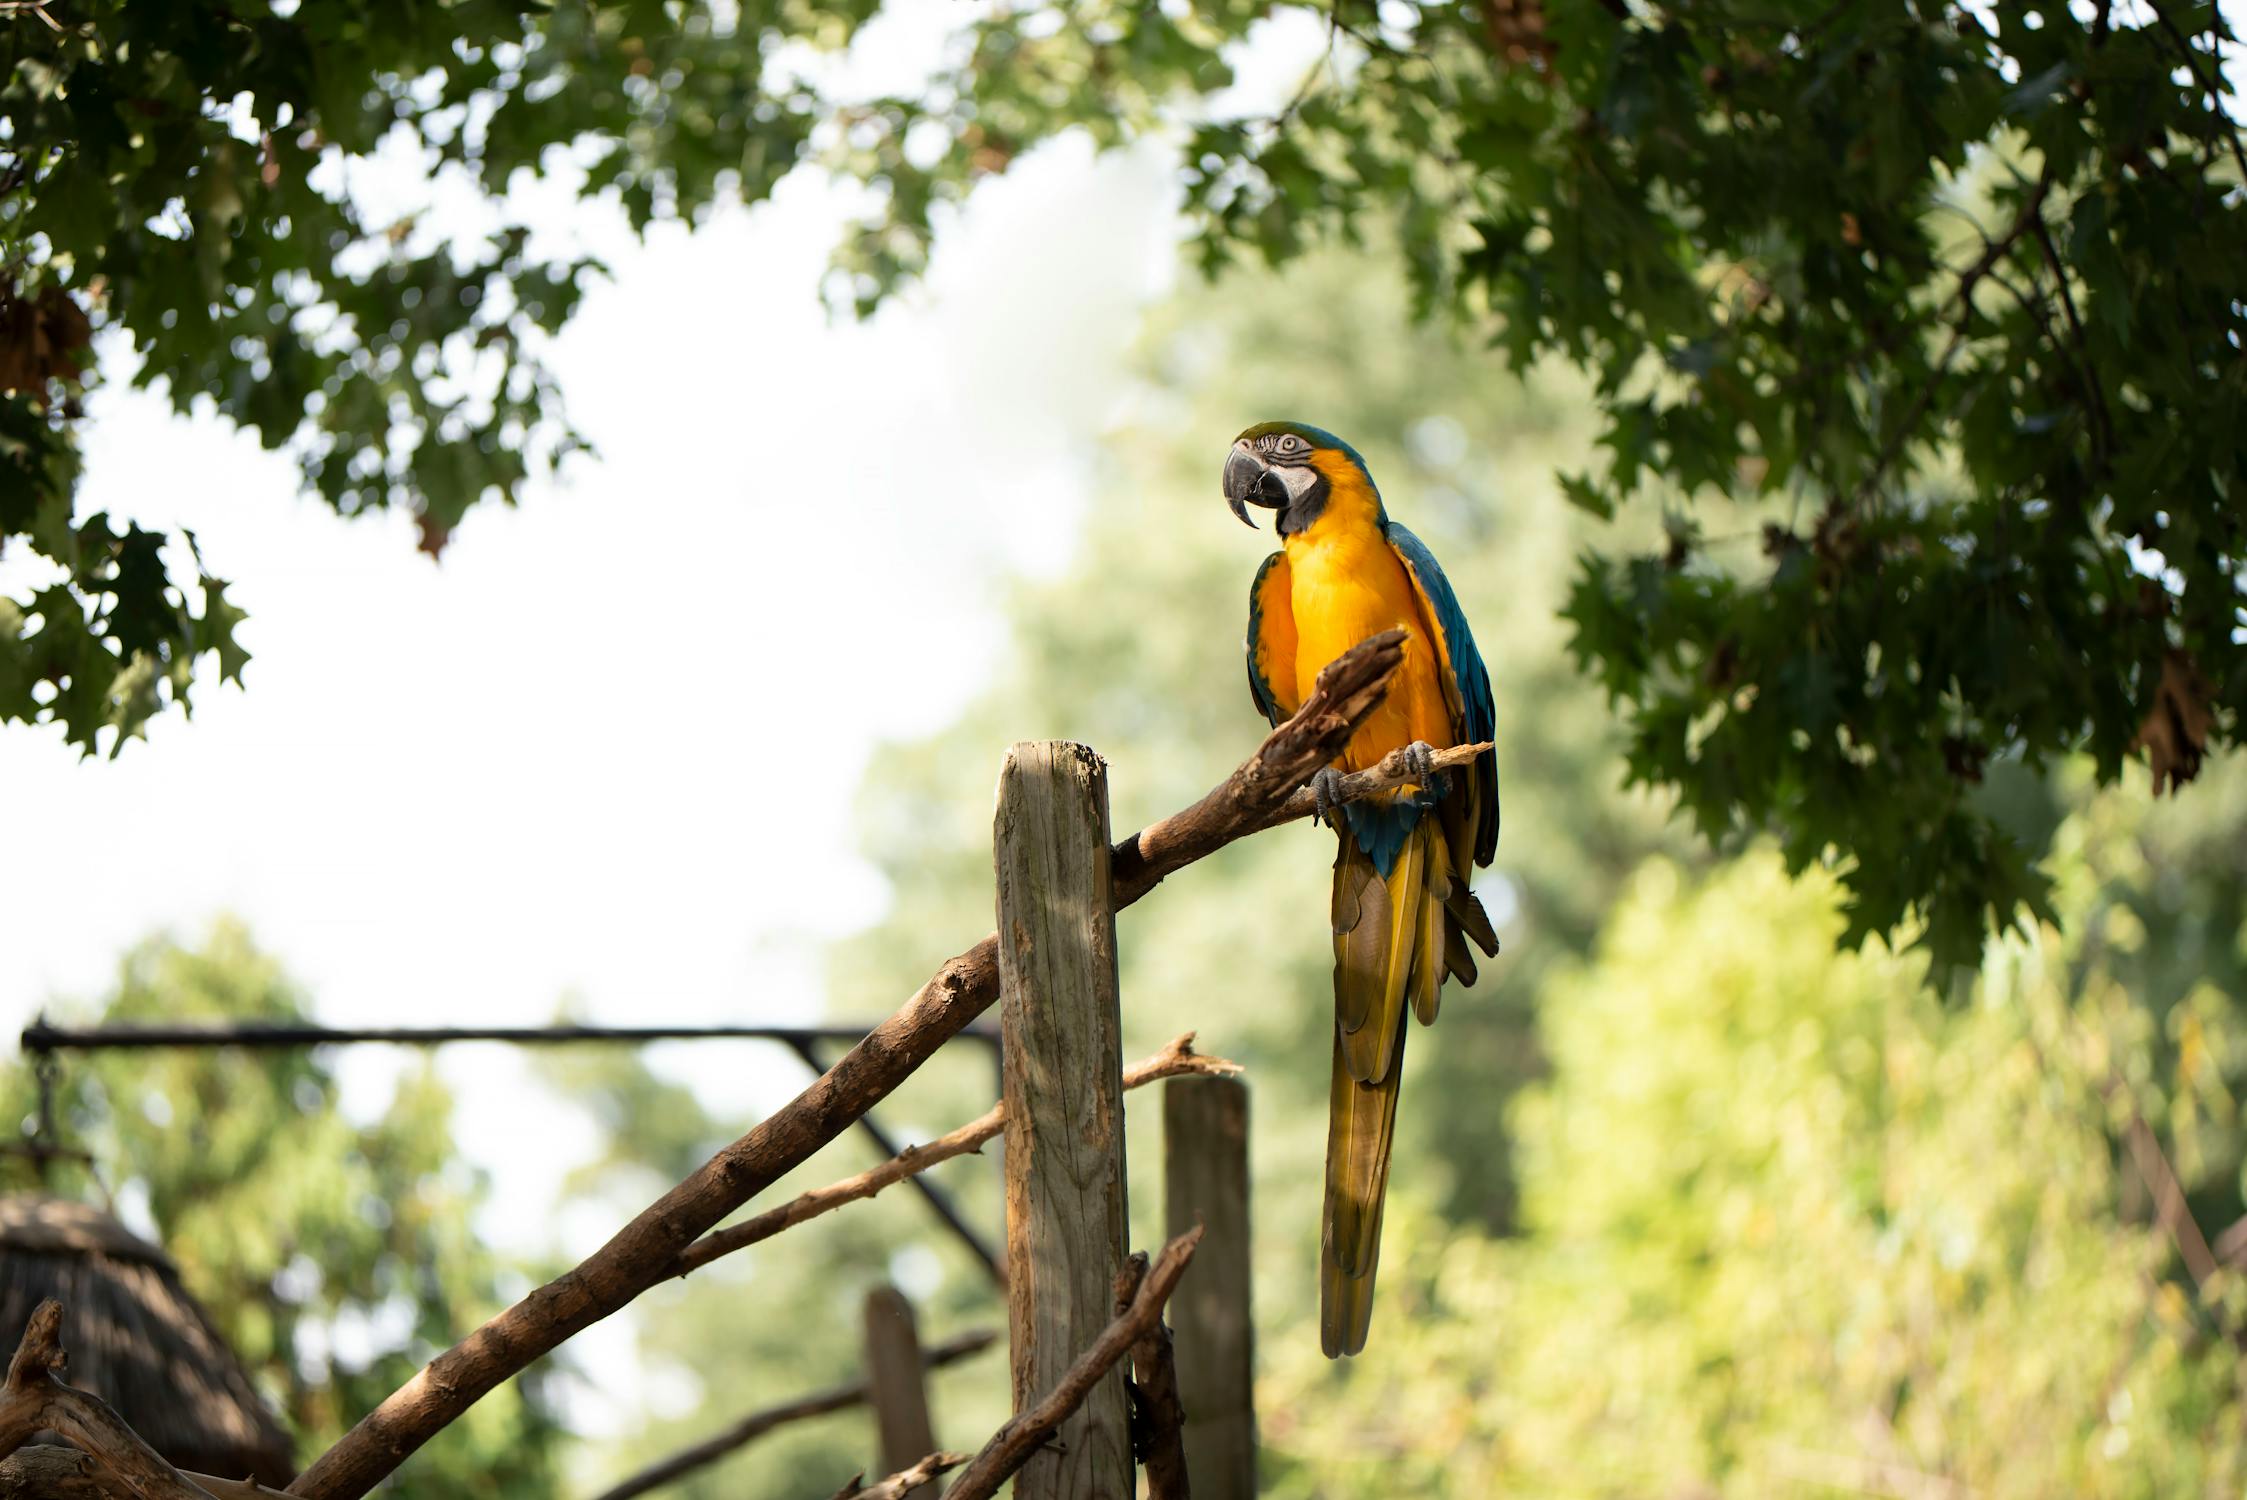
(1248, 481)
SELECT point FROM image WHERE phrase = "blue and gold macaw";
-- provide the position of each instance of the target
(1403, 913)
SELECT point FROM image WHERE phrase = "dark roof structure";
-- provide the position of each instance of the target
(136, 1338)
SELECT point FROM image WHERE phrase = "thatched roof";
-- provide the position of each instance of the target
(136, 1338)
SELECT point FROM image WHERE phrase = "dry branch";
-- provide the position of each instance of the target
(1158, 1417)
(905, 1480)
(1256, 795)
(44, 1471)
(2170, 1205)
(758, 1423)
(1391, 771)
(1178, 1058)
(1011, 1446)
(35, 1399)
(647, 1250)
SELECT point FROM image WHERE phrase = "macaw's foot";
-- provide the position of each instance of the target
(1420, 764)
(1326, 789)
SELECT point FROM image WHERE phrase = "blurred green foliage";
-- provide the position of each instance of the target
(1791, 1225)
(1920, 326)
(336, 1256)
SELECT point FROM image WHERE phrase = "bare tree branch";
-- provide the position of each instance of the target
(1011, 1446)
(904, 1481)
(646, 1250)
(1158, 1417)
(35, 1398)
(1177, 1058)
(758, 1423)
(1390, 772)
(1252, 798)
(46, 1471)
(2169, 1197)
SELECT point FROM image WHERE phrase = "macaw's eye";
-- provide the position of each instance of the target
(1292, 444)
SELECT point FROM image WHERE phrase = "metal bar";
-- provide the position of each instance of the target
(938, 1201)
(42, 1037)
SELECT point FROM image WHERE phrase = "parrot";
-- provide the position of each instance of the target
(1403, 915)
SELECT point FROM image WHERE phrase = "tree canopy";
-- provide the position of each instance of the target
(1919, 327)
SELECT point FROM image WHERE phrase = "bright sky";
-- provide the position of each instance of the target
(608, 746)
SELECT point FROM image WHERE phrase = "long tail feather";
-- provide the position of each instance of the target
(1360, 1132)
(1390, 957)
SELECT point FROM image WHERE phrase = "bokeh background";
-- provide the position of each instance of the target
(1686, 1202)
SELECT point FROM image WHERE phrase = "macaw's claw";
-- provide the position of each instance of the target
(1420, 760)
(1326, 789)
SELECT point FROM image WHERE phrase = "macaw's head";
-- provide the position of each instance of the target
(1296, 470)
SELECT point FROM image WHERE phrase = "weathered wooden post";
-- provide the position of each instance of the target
(1065, 1210)
(897, 1385)
(1205, 1180)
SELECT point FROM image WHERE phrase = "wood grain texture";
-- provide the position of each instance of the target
(1061, 1047)
(647, 1250)
(1205, 1182)
(34, 1398)
(1028, 1432)
(896, 1386)
(48, 1472)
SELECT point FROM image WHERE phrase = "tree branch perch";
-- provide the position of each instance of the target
(647, 1250)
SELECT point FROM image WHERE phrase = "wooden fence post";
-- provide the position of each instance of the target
(1205, 1180)
(1062, 1047)
(897, 1385)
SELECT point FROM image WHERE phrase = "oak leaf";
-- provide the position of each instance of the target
(2174, 735)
